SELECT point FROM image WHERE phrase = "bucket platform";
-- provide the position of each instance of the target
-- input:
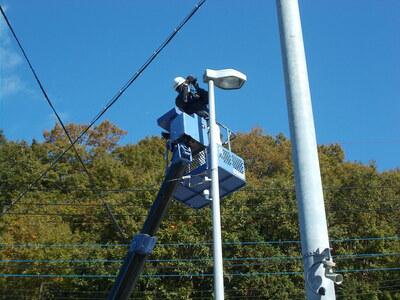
(192, 130)
(230, 171)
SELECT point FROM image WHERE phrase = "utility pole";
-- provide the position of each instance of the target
(313, 227)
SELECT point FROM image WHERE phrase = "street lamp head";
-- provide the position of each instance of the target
(227, 79)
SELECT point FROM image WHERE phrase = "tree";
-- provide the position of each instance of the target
(65, 215)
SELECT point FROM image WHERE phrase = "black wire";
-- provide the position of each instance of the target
(108, 105)
(154, 187)
(195, 215)
(107, 207)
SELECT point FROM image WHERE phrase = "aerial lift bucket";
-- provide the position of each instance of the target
(195, 183)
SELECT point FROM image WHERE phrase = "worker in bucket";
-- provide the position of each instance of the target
(191, 98)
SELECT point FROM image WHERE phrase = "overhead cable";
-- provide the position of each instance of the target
(239, 243)
(231, 260)
(195, 215)
(191, 275)
(105, 204)
(154, 187)
(114, 99)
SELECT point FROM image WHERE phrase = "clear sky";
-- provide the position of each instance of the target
(85, 50)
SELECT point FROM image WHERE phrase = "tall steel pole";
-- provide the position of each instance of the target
(310, 202)
(216, 215)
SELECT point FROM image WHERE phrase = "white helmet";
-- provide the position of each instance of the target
(177, 82)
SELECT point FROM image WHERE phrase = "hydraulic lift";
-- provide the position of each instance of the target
(187, 179)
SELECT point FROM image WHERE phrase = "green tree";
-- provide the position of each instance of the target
(64, 213)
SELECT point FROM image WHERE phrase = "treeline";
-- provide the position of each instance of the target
(58, 241)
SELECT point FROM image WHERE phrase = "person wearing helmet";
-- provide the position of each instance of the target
(191, 98)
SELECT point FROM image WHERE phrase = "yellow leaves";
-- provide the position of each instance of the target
(69, 215)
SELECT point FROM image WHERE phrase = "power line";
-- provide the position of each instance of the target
(154, 187)
(380, 288)
(233, 243)
(85, 169)
(109, 103)
(57, 295)
(380, 209)
(195, 291)
(196, 215)
(59, 203)
(190, 260)
(384, 209)
(155, 292)
(250, 274)
(166, 264)
(73, 222)
(224, 214)
(367, 141)
(81, 294)
(372, 292)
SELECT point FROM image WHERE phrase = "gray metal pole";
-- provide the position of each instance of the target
(216, 215)
(312, 219)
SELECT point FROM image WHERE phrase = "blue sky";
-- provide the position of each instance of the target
(84, 51)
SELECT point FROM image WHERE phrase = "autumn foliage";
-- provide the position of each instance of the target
(61, 228)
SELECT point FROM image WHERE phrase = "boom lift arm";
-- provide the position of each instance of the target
(186, 181)
(143, 244)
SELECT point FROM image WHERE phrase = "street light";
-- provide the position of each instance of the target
(227, 79)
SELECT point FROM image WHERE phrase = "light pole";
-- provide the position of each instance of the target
(227, 79)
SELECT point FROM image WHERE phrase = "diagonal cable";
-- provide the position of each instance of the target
(108, 105)
(91, 181)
